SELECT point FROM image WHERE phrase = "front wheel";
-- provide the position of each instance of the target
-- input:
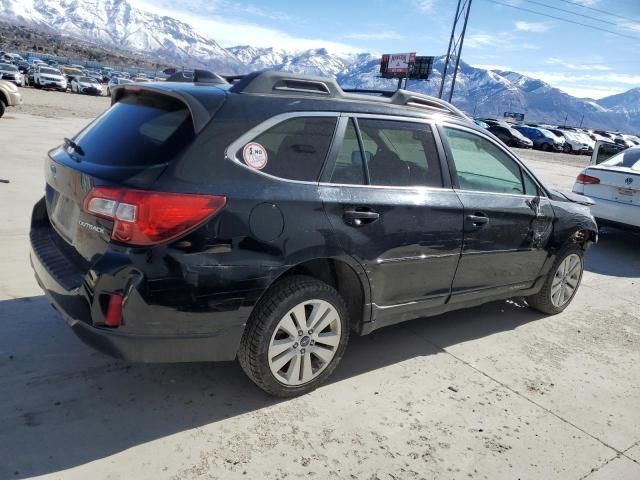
(296, 337)
(562, 281)
(1, 108)
(567, 148)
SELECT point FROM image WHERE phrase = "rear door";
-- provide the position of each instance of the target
(392, 211)
(507, 219)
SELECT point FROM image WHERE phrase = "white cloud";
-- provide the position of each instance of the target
(588, 67)
(587, 92)
(388, 35)
(491, 66)
(536, 27)
(588, 83)
(587, 3)
(424, 6)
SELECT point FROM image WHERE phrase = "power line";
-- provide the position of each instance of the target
(564, 19)
(594, 9)
(572, 12)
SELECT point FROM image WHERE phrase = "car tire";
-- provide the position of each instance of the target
(274, 355)
(567, 148)
(37, 85)
(545, 147)
(2, 108)
(549, 299)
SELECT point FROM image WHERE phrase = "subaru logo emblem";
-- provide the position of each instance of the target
(52, 169)
(628, 180)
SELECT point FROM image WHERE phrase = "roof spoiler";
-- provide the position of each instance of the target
(286, 83)
(199, 114)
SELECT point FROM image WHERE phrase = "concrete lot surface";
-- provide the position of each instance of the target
(494, 392)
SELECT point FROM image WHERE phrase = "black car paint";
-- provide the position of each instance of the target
(190, 300)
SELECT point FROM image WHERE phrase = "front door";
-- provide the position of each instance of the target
(387, 203)
(507, 221)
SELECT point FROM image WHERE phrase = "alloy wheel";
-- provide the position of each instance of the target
(566, 279)
(304, 342)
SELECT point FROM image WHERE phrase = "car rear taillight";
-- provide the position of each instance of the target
(148, 218)
(587, 179)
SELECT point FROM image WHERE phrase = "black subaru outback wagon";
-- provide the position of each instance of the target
(268, 219)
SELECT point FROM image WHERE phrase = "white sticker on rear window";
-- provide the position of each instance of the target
(255, 155)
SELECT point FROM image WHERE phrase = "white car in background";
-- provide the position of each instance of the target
(87, 85)
(613, 183)
(572, 144)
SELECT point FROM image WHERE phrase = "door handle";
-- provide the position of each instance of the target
(357, 218)
(478, 219)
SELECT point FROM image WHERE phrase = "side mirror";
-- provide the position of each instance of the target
(602, 151)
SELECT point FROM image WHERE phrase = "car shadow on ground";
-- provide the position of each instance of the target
(616, 254)
(64, 405)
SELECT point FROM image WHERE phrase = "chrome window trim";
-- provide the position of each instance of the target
(455, 126)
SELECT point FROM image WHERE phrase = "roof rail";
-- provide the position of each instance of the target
(274, 83)
(418, 100)
(269, 82)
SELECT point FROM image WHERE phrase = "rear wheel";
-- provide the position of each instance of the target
(296, 337)
(2, 108)
(562, 281)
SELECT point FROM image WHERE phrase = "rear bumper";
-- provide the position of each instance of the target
(615, 212)
(219, 344)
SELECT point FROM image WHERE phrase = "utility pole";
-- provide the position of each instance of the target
(565, 118)
(581, 120)
(456, 41)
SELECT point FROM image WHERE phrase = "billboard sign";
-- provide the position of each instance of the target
(401, 62)
(518, 117)
(397, 63)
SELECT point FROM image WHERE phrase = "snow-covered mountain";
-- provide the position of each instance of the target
(116, 23)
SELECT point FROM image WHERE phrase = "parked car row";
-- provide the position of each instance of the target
(553, 138)
(50, 74)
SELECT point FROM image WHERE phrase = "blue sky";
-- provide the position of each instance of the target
(580, 60)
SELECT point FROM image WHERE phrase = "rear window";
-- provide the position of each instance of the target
(627, 159)
(139, 130)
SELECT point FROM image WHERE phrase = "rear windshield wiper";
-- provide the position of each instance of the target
(74, 146)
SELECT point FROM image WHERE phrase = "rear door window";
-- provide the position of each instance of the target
(139, 130)
(400, 153)
(294, 149)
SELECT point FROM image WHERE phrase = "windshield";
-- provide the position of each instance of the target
(85, 79)
(124, 80)
(548, 133)
(49, 71)
(6, 66)
(629, 158)
(517, 134)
